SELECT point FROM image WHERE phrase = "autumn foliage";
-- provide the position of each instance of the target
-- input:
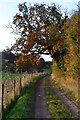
(30, 64)
(44, 29)
(39, 29)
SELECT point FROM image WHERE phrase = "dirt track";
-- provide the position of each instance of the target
(40, 108)
(40, 102)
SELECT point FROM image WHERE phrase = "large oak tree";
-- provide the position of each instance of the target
(39, 28)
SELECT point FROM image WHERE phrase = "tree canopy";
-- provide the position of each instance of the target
(39, 29)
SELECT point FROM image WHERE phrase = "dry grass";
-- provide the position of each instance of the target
(67, 83)
(56, 107)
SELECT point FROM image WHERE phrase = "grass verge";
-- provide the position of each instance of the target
(56, 108)
(70, 93)
(23, 108)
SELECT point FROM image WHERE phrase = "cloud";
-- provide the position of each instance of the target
(47, 57)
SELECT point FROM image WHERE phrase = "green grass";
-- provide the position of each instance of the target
(47, 71)
(23, 106)
(56, 107)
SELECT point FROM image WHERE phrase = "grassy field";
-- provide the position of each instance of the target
(47, 71)
(5, 76)
(56, 107)
(9, 76)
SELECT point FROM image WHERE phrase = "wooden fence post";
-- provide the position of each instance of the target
(2, 100)
(79, 96)
(14, 89)
(20, 86)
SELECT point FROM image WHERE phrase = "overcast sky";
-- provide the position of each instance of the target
(8, 8)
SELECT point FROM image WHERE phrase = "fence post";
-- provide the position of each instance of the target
(2, 100)
(20, 87)
(14, 89)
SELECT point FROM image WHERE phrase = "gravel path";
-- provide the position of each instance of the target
(40, 101)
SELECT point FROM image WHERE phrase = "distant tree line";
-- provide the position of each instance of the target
(12, 63)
